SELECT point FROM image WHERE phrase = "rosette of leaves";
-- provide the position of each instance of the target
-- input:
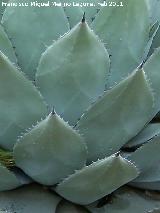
(68, 132)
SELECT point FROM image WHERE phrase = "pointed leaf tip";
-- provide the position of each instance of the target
(53, 112)
(50, 151)
(113, 120)
(117, 154)
(75, 76)
(94, 181)
(38, 37)
(126, 56)
(83, 18)
(20, 98)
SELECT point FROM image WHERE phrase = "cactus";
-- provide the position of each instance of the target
(79, 104)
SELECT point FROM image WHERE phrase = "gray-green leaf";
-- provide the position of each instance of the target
(117, 116)
(75, 13)
(50, 151)
(67, 207)
(31, 29)
(97, 180)
(151, 68)
(125, 32)
(72, 72)
(8, 180)
(127, 200)
(147, 158)
(5, 46)
(30, 199)
(21, 105)
(150, 131)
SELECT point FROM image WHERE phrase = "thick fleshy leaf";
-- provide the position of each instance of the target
(127, 200)
(5, 46)
(154, 7)
(155, 40)
(146, 185)
(150, 131)
(150, 45)
(10, 176)
(30, 199)
(117, 28)
(67, 207)
(151, 68)
(149, 162)
(31, 29)
(97, 180)
(117, 116)
(8, 180)
(72, 72)
(23, 104)
(77, 9)
(50, 151)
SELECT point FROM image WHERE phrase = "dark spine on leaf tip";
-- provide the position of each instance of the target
(117, 154)
(84, 18)
(53, 111)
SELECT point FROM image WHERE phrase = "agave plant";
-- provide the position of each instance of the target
(79, 97)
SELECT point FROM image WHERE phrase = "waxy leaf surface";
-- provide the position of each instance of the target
(33, 199)
(151, 68)
(147, 159)
(77, 9)
(21, 105)
(50, 151)
(154, 7)
(97, 180)
(148, 185)
(72, 72)
(150, 131)
(67, 207)
(5, 46)
(8, 180)
(127, 200)
(32, 29)
(125, 32)
(117, 116)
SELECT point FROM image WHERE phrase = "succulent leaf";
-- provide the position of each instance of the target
(146, 164)
(31, 30)
(10, 176)
(29, 199)
(5, 46)
(117, 28)
(23, 104)
(146, 185)
(67, 207)
(72, 72)
(150, 131)
(149, 49)
(154, 7)
(80, 187)
(117, 116)
(154, 38)
(75, 13)
(8, 180)
(151, 68)
(127, 200)
(50, 151)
